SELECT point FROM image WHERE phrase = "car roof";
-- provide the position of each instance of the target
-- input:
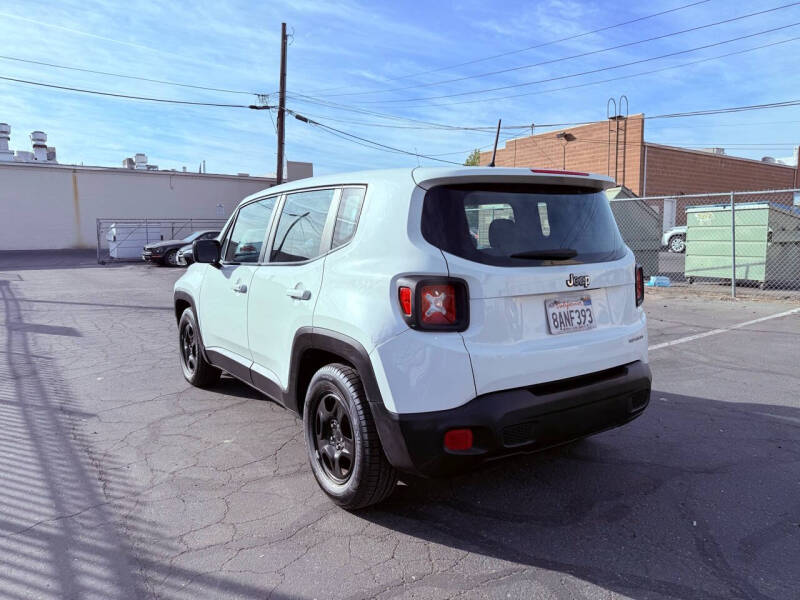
(428, 176)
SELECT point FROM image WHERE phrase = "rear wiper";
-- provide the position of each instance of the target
(558, 254)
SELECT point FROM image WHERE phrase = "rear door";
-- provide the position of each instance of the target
(284, 290)
(223, 297)
(551, 282)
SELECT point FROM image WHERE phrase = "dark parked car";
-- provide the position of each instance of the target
(166, 253)
(186, 253)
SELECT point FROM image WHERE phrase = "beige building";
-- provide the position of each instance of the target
(45, 205)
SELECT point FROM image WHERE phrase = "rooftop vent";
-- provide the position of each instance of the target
(5, 135)
(39, 141)
(769, 159)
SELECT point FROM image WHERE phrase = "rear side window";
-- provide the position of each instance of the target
(521, 225)
(302, 221)
(347, 217)
(248, 233)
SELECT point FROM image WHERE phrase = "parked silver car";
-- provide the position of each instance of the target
(674, 239)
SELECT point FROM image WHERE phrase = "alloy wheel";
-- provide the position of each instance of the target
(189, 348)
(334, 442)
(677, 244)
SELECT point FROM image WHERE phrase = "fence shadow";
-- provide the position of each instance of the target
(698, 499)
(68, 525)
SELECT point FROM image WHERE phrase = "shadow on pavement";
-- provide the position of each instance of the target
(698, 499)
(68, 524)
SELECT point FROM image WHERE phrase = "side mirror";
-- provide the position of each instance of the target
(206, 251)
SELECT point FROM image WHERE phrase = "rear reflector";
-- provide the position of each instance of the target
(438, 305)
(554, 172)
(639, 285)
(404, 294)
(458, 439)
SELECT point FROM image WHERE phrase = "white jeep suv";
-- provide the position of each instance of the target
(423, 321)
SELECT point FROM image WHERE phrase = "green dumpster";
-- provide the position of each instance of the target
(767, 243)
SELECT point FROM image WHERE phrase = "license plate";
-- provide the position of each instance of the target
(565, 315)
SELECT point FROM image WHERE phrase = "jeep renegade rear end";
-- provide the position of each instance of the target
(471, 313)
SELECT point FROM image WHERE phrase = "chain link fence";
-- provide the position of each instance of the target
(745, 243)
(120, 240)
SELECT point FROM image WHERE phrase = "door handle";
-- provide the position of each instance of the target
(240, 288)
(299, 293)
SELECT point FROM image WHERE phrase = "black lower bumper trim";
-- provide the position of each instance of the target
(516, 420)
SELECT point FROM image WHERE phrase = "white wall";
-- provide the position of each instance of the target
(53, 207)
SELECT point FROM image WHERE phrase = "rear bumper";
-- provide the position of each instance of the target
(516, 420)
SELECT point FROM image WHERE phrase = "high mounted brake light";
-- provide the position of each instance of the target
(555, 172)
(434, 303)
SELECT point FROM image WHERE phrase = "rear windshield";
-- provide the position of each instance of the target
(518, 226)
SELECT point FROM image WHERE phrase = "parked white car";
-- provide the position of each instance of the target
(674, 239)
(423, 321)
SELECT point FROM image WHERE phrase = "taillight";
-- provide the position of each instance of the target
(404, 295)
(438, 306)
(639, 285)
(434, 304)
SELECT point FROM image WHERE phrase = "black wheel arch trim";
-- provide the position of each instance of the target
(352, 352)
(186, 297)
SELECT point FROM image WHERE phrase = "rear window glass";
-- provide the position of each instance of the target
(347, 218)
(517, 226)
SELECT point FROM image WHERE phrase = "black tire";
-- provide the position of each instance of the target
(170, 259)
(365, 477)
(196, 369)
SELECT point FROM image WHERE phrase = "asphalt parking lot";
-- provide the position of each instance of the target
(118, 480)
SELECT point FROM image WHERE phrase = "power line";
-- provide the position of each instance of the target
(123, 76)
(598, 70)
(694, 113)
(563, 58)
(373, 143)
(131, 97)
(622, 77)
(364, 111)
(545, 125)
(535, 46)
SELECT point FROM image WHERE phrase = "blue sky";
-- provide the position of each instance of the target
(347, 52)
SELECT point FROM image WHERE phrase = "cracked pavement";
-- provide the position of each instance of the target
(118, 480)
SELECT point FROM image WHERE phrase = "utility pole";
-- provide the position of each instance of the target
(281, 108)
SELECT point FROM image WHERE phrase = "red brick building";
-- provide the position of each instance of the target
(646, 168)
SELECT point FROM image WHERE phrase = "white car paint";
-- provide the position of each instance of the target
(353, 292)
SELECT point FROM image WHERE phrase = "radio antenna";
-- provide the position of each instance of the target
(496, 137)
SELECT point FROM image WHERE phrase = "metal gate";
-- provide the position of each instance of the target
(120, 240)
